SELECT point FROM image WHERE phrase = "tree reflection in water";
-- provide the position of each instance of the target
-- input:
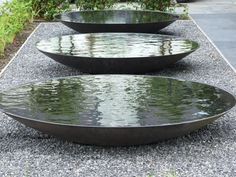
(117, 17)
(114, 45)
(116, 100)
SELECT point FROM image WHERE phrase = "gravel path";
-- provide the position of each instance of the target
(207, 152)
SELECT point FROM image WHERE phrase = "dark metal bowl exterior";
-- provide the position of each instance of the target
(93, 27)
(129, 28)
(117, 65)
(115, 136)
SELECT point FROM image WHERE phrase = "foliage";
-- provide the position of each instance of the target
(94, 4)
(47, 9)
(184, 15)
(161, 5)
(16, 13)
(13, 17)
(171, 174)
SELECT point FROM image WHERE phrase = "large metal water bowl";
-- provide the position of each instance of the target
(117, 110)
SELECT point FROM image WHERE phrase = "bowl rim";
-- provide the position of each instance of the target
(232, 97)
(174, 17)
(116, 58)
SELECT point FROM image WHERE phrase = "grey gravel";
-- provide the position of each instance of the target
(207, 152)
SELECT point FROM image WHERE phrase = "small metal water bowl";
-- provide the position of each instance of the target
(116, 20)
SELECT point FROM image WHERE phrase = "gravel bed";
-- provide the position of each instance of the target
(207, 152)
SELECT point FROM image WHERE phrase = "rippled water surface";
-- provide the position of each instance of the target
(116, 45)
(117, 17)
(115, 100)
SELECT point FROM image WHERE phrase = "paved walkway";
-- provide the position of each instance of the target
(217, 18)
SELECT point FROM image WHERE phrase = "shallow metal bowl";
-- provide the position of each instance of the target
(117, 110)
(116, 20)
(117, 52)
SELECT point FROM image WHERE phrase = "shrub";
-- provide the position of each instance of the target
(47, 9)
(13, 17)
(161, 5)
(94, 4)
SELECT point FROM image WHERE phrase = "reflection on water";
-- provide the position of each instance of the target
(116, 100)
(116, 45)
(117, 17)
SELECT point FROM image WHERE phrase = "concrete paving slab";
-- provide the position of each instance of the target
(221, 29)
(207, 152)
(212, 6)
(216, 21)
(229, 50)
(217, 18)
